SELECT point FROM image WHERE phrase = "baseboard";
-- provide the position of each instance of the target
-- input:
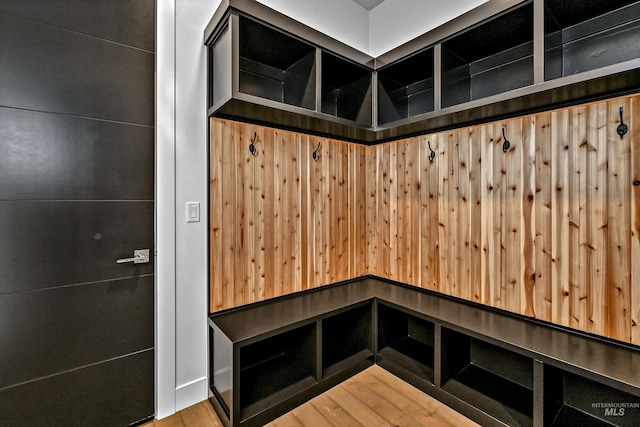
(191, 393)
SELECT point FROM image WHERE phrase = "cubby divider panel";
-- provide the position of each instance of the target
(573, 400)
(405, 88)
(493, 379)
(347, 338)
(407, 341)
(276, 368)
(582, 36)
(221, 367)
(276, 66)
(491, 58)
(346, 89)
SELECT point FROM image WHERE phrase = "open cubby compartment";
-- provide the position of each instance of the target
(347, 338)
(405, 87)
(495, 380)
(346, 89)
(276, 66)
(407, 341)
(493, 57)
(585, 35)
(574, 400)
(276, 368)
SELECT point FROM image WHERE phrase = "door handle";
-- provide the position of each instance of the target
(140, 256)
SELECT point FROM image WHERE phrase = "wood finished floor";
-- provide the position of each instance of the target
(372, 398)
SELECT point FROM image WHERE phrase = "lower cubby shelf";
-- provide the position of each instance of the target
(276, 368)
(406, 341)
(270, 382)
(344, 346)
(572, 400)
(493, 379)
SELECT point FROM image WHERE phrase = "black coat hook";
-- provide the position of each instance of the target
(506, 144)
(432, 154)
(622, 128)
(316, 155)
(252, 146)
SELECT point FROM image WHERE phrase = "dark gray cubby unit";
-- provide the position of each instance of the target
(498, 381)
(496, 368)
(276, 66)
(491, 58)
(405, 341)
(405, 88)
(346, 89)
(582, 36)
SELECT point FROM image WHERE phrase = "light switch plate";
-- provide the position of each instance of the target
(193, 211)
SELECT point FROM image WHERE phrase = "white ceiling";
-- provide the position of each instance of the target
(368, 4)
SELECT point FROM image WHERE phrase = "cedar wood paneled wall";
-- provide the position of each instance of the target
(550, 229)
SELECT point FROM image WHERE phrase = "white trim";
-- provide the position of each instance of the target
(189, 394)
(165, 261)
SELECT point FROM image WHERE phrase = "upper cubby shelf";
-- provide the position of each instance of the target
(492, 58)
(405, 88)
(275, 66)
(501, 59)
(582, 36)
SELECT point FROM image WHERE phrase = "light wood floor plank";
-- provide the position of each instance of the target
(379, 404)
(200, 415)
(373, 398)
(333, 412)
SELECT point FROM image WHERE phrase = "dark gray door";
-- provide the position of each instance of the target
(76, 194)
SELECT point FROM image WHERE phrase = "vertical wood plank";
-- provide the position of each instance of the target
(286, 204)
(500, 222)
(429, 217)
(219, 131)
(241, 216)
(463, 256)
(543, 218)
(295, 215)
(514, 214)
(393, 211)
(360, 221)
(529, 205)
(444, 234)
(278, 250)
(228, 219)
(320, 190)
(260, 194)
(453, 143)
(578, 278)
(372, 207)
(382, 226)
(306, 224)
(597, 195)
(385, 247)
(399, 258)
(475, 205)
(487, 209)
(344, 205)
(248, 231)
(560, 216)
(634, 136)
(619, 261)
(416, 191)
